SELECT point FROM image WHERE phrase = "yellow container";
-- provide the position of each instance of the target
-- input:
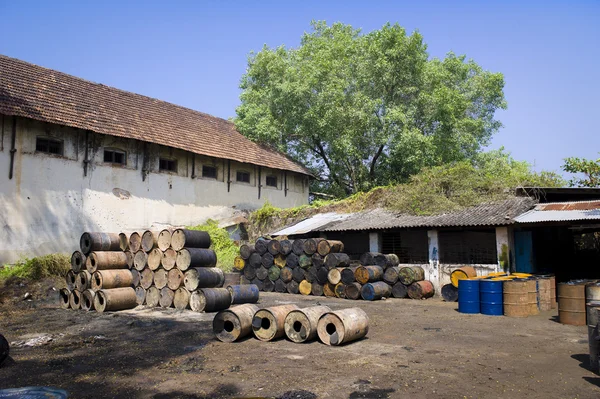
(462, 273)
(496, 274)
(521, 275)
(506, 278)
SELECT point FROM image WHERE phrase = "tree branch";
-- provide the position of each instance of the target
(374, 161)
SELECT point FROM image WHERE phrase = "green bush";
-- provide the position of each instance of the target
(225, 248)
(37, 268)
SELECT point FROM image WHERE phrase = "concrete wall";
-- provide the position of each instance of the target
(49, 202)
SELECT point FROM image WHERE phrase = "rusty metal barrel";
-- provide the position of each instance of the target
(347, 274)
(161, 278)
(140, 260)
(99, 242)
(273, 273)
(298, 247)
(592, 292)
(391, 274)
(210, 300)
(78, 261)
(520, 298)
(311, 274)
(368, 258)
(325, 247)
(338, 259)
(280, 286)
(169, 259)
(305, 287)
(155, 258)
(203, 277)
(246, 250)
(140, 295)
(280, 261)
(175, 279)
(267, 260)
(311, 244)
(231, 278)
(334, 276)
(353, 290)
(411, 274)
(305, 261)
(164, 239)
(375, 291)
(129, 256)
(400, 290)
(166, 297)
(329, 289)
(124, 241)
(449, 293)
(269, 324)
(322, 274)
(147, 278)
(261, 246)
(71, 279)
(63, 297)
(592, 311)
(258, 283)
(421, 290)
(544, 286)
(247, 293)
(292, 287)
(387, 260)
(115, 299)
(298, 274)
(340, 290)
(292, 261)
(571, 303)
(83, 280)
(106, 279)
(368, 274)
(462, 273)
(255, 260)
(135, 241)
(135, 277)
(285, 247)
(183, 238)
(195, 257)
(239, 263)
(268, 285)
(553, 291)
(106, 261)
(152, 297)
(301, 325)
(182, 298)
(262, 273)
(343, 326)
(234, 323)
(286, 274)
(316, 289)
(150, 240)
(250, 273)
(273, 247)
(87, 300)
(318, 260)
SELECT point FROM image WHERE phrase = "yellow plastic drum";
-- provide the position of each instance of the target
(462, 273)
(521, 275)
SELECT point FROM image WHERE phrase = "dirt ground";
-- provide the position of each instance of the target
(416, 349)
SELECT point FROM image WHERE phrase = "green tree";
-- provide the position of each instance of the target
(363, 110)
(589, 168)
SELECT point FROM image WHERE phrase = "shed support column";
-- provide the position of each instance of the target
(504, 248)
(375, 242)
(433, 272)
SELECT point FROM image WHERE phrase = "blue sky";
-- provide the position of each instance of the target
(193, 53)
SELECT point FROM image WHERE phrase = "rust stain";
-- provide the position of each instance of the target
(572, 206)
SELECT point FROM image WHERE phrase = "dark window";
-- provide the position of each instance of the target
(168, 165)
(49, 146)
(468, 247)
(411, 246)
(243, 177)
(209, 171)
(115, 156)
(272, 181)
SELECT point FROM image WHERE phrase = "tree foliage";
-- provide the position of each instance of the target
(371, 109)
(589, 168)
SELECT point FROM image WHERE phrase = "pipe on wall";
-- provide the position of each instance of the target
(13, 150)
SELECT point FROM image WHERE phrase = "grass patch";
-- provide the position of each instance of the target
(38, 268)
(225, 248)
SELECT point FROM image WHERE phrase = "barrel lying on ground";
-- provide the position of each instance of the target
(421, 290)
(87, 300)
(342, 326)
(375, 291)
(353, 290)
(399, 290)
(243, 293)
(140, 260)
(210, 300)
(449, 293)
(301, 325)
(63, 295)
(152, 297)
(71, 279)
(75, 299)
(269, 323)
(166, 297)
(140, 295)
(115, 299)
(182, 298)
(234, 323)
(411, 274)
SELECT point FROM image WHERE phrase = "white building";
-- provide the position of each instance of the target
(79, 156)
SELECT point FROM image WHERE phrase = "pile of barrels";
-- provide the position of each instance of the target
(317, 266)
(168, 268)
(497, 294)
(299, 325)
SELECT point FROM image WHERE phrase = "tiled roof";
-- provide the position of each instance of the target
(562, 212)
(491, 214)
(46, 95)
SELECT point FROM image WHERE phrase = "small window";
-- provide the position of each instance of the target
(167, 165)
(272, 181)
(243, 177)
(209, 171)
(115, 156)
(49, 146)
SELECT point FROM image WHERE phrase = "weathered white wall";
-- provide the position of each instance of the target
(49, 203)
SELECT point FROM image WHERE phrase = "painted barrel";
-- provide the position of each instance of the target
(491, 297)
(305, 261)
(286, 274)
(273, 247)
(239, 263)
(462, 273)
(449, 293)
(571, 303)
(421, 290)
(520, 298)
(195, 257)
(273, 273)
(390, 275)
(305, 287)
(285, 247)
(329, 290)
(411, 274)
(544, 294)
(234, 323)
(322, 274)
(292, 261)
(246, 250)
(375, 291)
(210, 300)
(247, 293)
(468, 296)
(347, 275)
(368, 274)
(182, 238)
(298, 247)
(399, 290)
(298, 274)
(521, 275)
(279, 261)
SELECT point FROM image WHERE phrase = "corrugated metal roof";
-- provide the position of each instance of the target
(491, 214)
(562, 212)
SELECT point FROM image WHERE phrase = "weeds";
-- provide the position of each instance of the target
(38, 268)
(225, 248)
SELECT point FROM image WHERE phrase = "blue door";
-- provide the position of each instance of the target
(524, 252)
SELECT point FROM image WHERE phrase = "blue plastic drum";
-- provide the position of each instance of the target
(468, 296)
(491, 297)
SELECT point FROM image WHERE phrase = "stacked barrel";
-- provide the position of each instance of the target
(317, 266)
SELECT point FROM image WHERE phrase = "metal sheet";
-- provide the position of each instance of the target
(313, 223)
